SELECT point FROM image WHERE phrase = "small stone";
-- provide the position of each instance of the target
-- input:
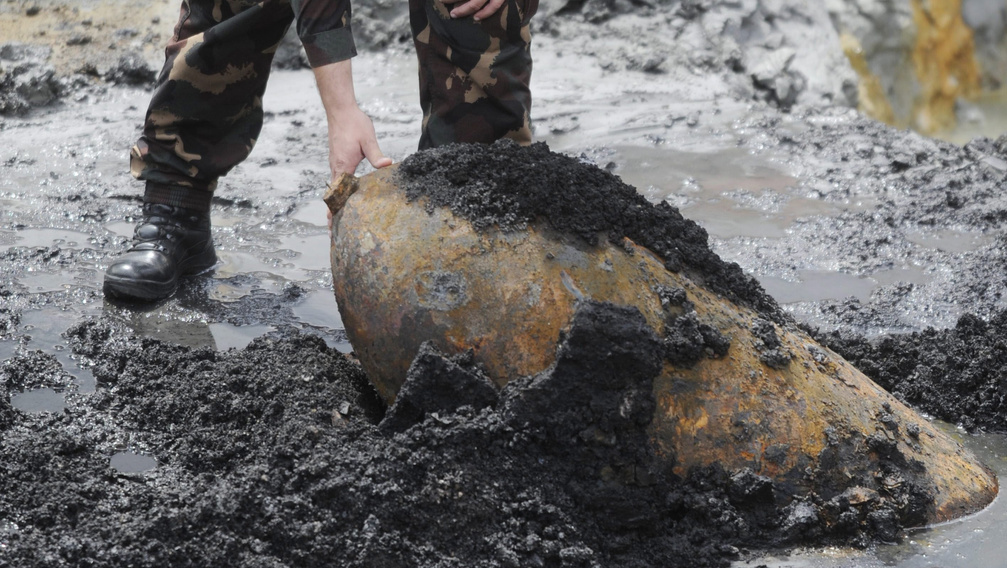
(78, 39)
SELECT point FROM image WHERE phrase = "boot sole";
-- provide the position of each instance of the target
(150, 290)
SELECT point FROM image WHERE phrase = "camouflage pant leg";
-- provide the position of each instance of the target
(473, 75)
(206, 110)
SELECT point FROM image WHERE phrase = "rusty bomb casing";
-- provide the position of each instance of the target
(403, 276)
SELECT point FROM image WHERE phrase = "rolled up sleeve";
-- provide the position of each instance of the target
(324, 29)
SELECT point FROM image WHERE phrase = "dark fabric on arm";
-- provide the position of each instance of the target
(324, 29)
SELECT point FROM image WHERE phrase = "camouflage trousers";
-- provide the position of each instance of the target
(473, 75)
(206, 110)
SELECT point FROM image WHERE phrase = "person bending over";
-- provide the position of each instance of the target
(206, 110)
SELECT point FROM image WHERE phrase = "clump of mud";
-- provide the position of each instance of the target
(508, 186)
(26, 81)
(687, 340)
(955, 374)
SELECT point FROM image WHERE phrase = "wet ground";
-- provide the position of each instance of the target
(851, 225)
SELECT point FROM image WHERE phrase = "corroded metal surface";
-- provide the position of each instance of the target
(804, 417)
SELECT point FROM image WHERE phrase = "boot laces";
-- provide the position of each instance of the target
(162, 228)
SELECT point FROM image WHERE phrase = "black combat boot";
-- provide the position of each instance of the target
(169, 243)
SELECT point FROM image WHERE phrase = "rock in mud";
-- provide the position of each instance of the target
(494, 250)
(131, 69)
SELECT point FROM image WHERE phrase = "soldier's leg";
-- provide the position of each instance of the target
(204, 117)
(206, 111)
(474, 76)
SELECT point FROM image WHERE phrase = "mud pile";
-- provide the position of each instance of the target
(271, 457)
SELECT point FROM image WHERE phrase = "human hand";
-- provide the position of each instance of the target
(351, 132)
(351, 139)
(481, 9)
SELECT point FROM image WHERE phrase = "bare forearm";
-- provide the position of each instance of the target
(335, 86)
(351, 133)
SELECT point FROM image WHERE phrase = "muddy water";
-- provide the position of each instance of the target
(737, 196)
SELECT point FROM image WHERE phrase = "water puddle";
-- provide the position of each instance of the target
(121, 228)
(7, 348)
(44, 331)
(909, 275)
(31, 238)
(822, 285)
(39, 400)
(165, 322)
(129, 462)
(237, 263)
(227, 336)
(319, 309)
(729, 191)
(818, 285)
(42, 282)
(975, 541)
(738, 223)
(313, 215)
(319, 314)
(660, 172)
(951, 241)
(307, 253)
(229, 282)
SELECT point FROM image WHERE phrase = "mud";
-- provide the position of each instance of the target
(277, 455)
(52, 49)
(687, 340)
(905, 203)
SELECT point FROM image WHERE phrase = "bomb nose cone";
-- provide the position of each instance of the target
(739, 385)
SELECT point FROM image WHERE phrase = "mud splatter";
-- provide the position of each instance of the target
(773, 353)
(686, 339)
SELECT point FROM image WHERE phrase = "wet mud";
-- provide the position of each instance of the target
(280, 454)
